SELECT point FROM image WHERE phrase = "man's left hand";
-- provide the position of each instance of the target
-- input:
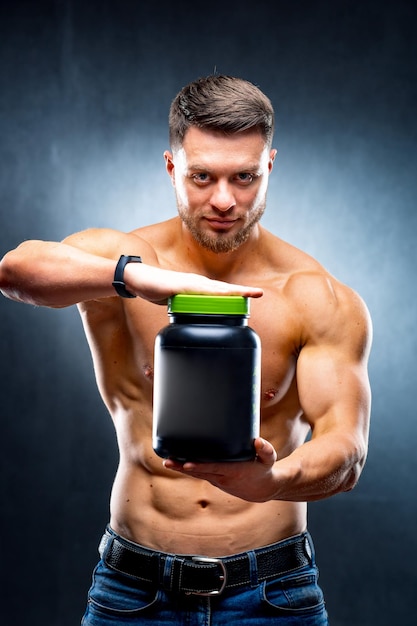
(250, 480)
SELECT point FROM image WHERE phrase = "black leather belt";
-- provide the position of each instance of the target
(204, 575)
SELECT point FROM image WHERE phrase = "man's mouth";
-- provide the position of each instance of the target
(221, 224)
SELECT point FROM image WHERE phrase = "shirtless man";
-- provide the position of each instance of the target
(315, 335)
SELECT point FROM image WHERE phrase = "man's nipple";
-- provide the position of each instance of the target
(148, 372)
(270, 394)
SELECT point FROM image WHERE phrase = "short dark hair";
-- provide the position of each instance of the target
(223, 103)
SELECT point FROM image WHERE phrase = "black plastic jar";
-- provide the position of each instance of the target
(206, 381)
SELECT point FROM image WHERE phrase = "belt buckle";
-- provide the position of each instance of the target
(222, 576)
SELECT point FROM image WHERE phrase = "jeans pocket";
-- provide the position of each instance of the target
(297, 595)
(118, 595)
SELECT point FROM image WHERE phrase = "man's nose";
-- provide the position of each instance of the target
(223, 197)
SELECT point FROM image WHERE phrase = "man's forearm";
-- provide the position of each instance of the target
(320, 469)
(54, 274)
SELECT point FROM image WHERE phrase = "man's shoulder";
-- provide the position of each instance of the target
(325, 306)
(104, 242)
(315, 296)
(157, 231)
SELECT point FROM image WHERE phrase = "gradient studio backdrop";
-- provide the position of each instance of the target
(85, 91)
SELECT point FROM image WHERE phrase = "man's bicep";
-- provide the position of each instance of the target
(332, 365)
(334, 389)
(110, 244)
(97, 241)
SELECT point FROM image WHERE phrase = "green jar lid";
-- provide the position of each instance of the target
(208, 305)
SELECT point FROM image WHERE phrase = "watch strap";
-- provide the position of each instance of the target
(118, 282)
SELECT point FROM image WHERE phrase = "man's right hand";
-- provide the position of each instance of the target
(157, 285)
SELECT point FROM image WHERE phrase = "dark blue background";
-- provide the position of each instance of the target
(84, 94)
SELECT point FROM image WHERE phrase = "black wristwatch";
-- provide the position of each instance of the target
(118, 282)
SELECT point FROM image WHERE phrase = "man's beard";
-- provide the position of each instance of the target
(220, 242)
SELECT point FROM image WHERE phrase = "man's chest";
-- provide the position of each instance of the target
(278, 347)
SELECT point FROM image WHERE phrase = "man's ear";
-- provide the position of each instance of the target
(169, 165)
(272, 156)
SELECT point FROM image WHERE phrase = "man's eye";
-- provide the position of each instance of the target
(245, 177)
(200, 178)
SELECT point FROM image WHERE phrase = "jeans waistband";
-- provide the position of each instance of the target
(201, 575)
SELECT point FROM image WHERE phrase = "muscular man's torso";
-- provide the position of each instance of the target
(158, 507)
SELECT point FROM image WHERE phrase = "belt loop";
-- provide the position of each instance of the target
(168, 573)
(253, 568)
(104, 544)
(309, 547)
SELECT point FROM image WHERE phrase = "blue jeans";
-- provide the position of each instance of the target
(293, 599)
